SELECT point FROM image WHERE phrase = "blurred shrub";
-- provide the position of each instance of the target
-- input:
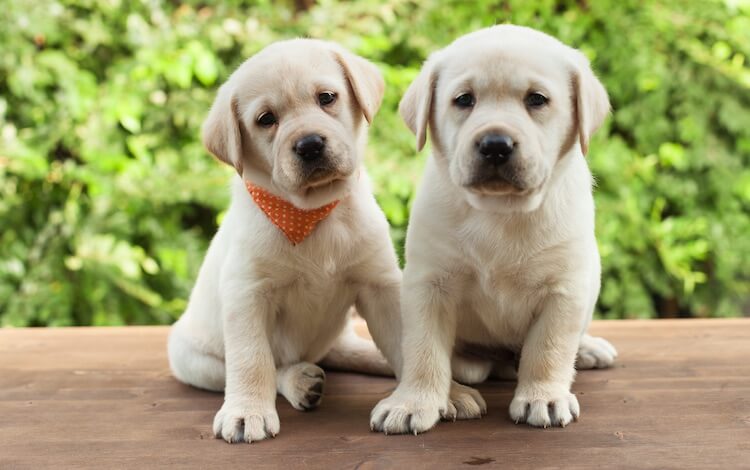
(108, 198)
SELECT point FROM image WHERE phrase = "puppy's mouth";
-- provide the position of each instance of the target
(322, 180)
(498, 188)
(504, 181)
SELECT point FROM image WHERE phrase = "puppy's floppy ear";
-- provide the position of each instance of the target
(416, 105)
(365, 79)
(221, 131)
(591, 100)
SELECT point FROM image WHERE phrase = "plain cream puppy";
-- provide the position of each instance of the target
(273, 294)
(500, 250)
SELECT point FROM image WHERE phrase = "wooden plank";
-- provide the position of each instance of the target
(679, 397)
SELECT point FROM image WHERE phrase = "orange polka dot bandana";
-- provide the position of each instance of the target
(297, 224)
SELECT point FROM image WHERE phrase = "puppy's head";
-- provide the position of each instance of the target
(294, 116)
(504, 105)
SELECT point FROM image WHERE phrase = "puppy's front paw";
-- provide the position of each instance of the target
(403, 413)
(595, 353)
(465, 403)
(240, 421)
(302, 384)
(544, 406)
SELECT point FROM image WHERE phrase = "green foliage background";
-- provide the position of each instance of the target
(108, 199)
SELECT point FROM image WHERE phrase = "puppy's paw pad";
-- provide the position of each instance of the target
(313, 396)
(305, 387)
(467, 402)
(554, 409)
(399, 415)
(595, 353)
(240, 422)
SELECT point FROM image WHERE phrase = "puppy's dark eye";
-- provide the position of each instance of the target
(326, 98)
(465, 100)
(267, 120)
(536, 100)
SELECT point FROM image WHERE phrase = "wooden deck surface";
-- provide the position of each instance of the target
(679, 397)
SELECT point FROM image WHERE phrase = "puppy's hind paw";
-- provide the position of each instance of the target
(595, 353)
(465, 403)
(302, 384)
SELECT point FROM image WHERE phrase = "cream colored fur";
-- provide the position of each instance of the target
(264, 311)
(513, 263)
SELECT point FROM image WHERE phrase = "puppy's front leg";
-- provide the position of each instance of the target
(546, 369)
(426, 392)
(379, 304)
(249, 410)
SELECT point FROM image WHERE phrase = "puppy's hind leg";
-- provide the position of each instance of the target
(354, 353)
(193, 366)
(468, 370)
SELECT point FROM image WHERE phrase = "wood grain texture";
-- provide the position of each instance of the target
(679, 397)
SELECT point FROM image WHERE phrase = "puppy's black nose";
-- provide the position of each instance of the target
(310, 147)
(497, 149)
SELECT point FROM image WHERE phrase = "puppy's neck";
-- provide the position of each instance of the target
(297, 224)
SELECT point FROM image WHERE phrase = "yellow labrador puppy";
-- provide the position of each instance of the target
(303, 240)
(500, 251)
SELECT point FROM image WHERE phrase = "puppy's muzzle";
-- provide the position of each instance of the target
(317, 168)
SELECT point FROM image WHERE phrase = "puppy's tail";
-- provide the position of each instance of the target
(354, 351)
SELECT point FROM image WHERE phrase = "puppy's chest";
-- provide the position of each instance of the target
(509, 269)
(502, 299)
(308, 307)
(319, 277)
(323, 261)
(499, 265)
(508, 287)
